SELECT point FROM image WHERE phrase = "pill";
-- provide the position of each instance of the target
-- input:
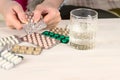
(1, 58)
(12, 42)
(15, 39)
(9, 66)
(5, 39)
(56, 36)
(21, 51)
(2, 62)
(65, 41)
(38, 48)
(5, 64)
(51, 34)
(3, 42)
(30, 48)
(7, 55)
(46, 33)
(29, 52)
(17, 60)
(36, 52)
(4, 52)
(62, 36)
(10, 57)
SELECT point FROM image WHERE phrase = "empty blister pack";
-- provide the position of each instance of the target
(40, 40)
(10, 40)
(8, 60)
(30, 50)
(61, 31)
(32, 26)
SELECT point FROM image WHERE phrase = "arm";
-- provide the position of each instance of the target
(54, 3)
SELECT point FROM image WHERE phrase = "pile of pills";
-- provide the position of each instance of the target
(61, 38)
(61, 31)
(26, 50)
(10, 40)
(40, 40)
(8, 60)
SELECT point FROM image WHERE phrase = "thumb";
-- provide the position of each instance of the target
(37, 15)
(20, 13)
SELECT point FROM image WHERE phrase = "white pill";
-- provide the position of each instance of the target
(4, 52)
(9, 38)
(15, 39)
(17, 61)
(1, 59)
(3, 42)
(5, 39)
(9, 66)
(12, 37)
(7, 55)
(10, 57)
(5, 64)
(12, 42)
(8, 42)
(15, 57)
(2, 62)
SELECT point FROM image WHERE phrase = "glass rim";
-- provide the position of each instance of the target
(71, 12)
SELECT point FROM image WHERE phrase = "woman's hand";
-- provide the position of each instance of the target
(51, 15)
(14, 14)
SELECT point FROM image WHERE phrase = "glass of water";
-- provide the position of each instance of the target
(83, 25)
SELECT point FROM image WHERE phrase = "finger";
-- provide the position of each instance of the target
(20, 13)
(54, 21)
(51, 16)
(37, 15)
(13, 21)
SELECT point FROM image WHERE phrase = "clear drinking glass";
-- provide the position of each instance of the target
(83, 25)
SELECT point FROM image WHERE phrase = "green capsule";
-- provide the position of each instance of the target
(67, 37)
(46, 33)
(56, 36)
(62, 37)
(51, 34)
(65, 41)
